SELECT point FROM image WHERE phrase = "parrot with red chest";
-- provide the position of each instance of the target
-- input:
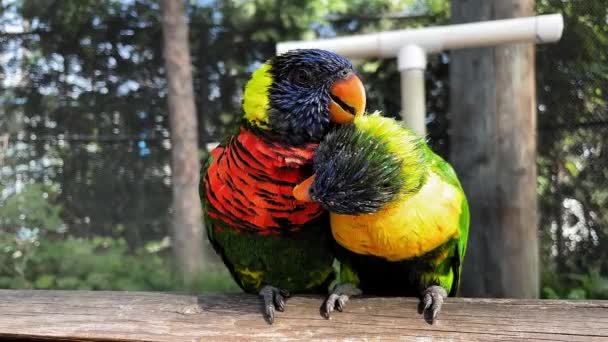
(272, 244)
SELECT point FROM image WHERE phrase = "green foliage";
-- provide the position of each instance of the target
(572, 163)
(24, 216)
(35, 252)
(30, 209)
(69, 263)
(592, 285)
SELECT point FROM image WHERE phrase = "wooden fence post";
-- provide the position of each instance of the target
(493, 144)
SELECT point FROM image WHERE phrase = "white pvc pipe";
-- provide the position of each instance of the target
(538, 29)
(412, 64)
(413, 98)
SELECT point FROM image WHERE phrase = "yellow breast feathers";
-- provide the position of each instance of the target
(408, 228)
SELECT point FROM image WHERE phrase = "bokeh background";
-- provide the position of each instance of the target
(85, 175)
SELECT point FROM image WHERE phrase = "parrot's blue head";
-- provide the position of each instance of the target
(296, 96)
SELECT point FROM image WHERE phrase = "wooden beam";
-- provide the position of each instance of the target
(493, 149)
(119, 316)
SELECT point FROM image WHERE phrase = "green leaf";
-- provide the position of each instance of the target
(45, 281)
(549, 293)
(577, 293)
(571, 167)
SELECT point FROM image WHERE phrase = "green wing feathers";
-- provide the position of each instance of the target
(446, 172)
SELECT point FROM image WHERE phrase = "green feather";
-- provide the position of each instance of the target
(403, 143)
(447, 173)
(256, 100)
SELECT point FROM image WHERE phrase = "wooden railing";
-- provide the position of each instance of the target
(118, 316)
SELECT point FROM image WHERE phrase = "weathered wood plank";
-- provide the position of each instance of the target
(119, 316)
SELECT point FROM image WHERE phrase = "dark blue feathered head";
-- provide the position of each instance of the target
(296, 96)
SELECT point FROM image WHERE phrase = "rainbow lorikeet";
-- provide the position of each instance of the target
(397, 211)
(272, 243)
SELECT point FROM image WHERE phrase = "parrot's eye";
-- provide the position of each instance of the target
(300, 77)
(344, 73)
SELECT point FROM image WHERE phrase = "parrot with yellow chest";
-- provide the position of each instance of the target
(397, 212)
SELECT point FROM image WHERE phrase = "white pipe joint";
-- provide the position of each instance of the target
(411, 57)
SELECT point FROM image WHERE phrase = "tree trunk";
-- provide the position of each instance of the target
(3, 146)
(494, 151)
(187, 225)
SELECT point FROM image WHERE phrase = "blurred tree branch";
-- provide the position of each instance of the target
(3, 146)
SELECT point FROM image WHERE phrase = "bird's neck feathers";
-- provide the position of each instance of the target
(275, 155)
(402, 142)
(256, 99)
(362, 167)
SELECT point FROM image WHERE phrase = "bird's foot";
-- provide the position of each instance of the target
(338, 298)
(274, 298)
(432, 300)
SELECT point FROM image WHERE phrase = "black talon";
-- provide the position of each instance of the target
(270, 314)
(432, 300)
(338, 298)
(341, 302)
(339, 306)
(328, 305)
(324, 312)
(428, 300)
(279, 302)
(274, 298)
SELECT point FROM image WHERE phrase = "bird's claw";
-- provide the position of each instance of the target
(274, 298)
(432, 300)
(338, 298)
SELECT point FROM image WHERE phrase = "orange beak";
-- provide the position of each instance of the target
(302, 191)
(347, 100)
